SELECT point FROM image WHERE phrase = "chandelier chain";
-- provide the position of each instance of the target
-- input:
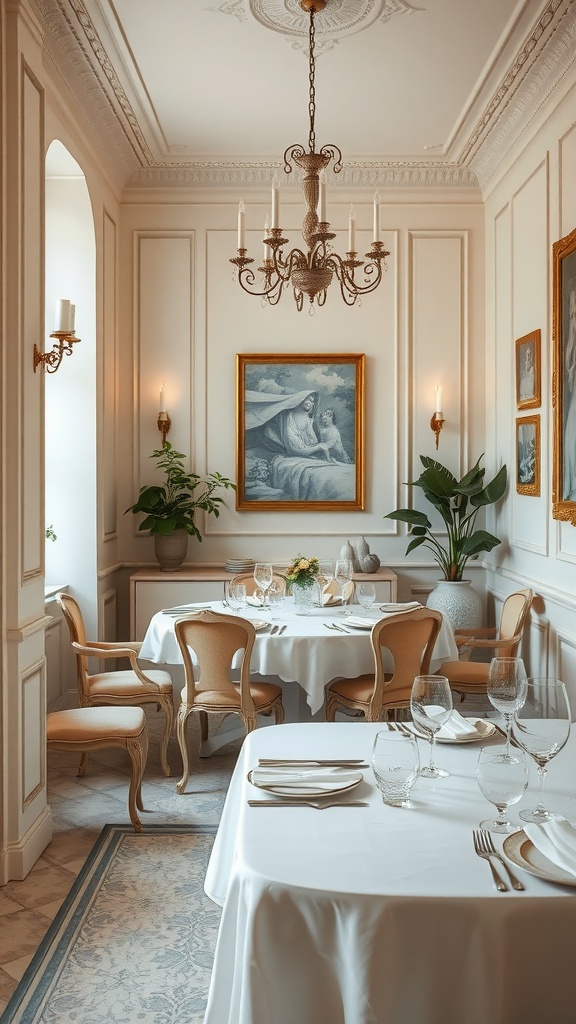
(312, 93)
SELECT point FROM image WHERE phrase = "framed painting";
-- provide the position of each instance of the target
(300, 433)
(564, 378)
(528, 455)
(528, 375)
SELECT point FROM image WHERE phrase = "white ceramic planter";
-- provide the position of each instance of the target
(458, 601)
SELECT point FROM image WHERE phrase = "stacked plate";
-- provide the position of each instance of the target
(239, 564)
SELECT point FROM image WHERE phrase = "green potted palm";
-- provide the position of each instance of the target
(169, 508)
(458, 502)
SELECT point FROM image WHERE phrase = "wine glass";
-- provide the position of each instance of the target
(276, 596)
(431, 707)
(263, 576)
(325, 574)
(237, 596)
(343, 575)
(395, 763)
(507, 689)
(366, 595)
(541, 727)
(502, 779)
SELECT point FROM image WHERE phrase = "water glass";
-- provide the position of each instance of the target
(343, 574)
(507, 689)
(263, 576)
(502, 779)
(395, 763)
(237, 597)
(276, 598)
(366, 595)
(431, 707)
(542, 727)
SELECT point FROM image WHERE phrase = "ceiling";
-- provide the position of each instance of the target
(210, 92)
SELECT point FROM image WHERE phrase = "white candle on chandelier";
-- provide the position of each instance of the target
(62, 315)
(439, 400)
(275, 202)
(162, 399)
(352, 230)
(322, 199)
(376, 217)
(241, 225)
(72, 318)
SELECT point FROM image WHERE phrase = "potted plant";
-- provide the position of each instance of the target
(459, 503)
(169, 508)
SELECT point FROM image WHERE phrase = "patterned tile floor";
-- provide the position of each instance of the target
(80, 809)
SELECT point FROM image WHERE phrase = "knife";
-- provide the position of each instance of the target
(306, 803)
(281, 630)
(325, 763)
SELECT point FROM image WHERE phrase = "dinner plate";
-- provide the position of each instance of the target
(303, 792)
(522, 852)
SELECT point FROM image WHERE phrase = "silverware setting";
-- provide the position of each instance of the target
(340, 629)
(489, 845)
(273, 630)
(483, 851)
(319, 805)
(270, 762)
(281, 630)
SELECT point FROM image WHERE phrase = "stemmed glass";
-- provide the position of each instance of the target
(276, 596)
(263, 576)
(237, 596)
(325, 574)
(343, 575)
(502, 779)
(366, 595)
(542, 727)
(507, 689)
(431, 707)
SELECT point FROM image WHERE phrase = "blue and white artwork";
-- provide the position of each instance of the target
(300, 431)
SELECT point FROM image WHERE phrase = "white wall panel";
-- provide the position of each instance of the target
(33, 735)
(163, 340)
(565, 667)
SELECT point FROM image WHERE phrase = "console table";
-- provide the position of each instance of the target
(152, 589)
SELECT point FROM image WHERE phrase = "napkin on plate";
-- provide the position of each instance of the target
(304, 778)
(405, 607)
(256, 602)
(557, 841)
(457, 727)
(359, 620)
(331, 599)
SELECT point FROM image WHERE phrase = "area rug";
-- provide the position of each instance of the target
(133, 941)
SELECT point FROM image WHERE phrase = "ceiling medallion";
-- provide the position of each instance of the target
(310, 273)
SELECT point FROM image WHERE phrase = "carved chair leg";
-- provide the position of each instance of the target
(138, 750)
(168, 709)
(82, 766)
(181, 722)
(203, 716)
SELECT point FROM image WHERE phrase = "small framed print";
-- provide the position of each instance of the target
(528, 375)
(300, 435)
(528, 455)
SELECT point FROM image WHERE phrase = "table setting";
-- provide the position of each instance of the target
(398, 869)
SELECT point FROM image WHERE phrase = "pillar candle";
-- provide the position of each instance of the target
(162, 399)
(72, 318)
(62, 315)
(438, 399)
(241, 225)
(376, 217)
(352, 230)
(275, 202)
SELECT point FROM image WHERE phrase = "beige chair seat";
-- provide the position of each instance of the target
(263, 694)
(467, 673)
(126, 686)
(83, 730)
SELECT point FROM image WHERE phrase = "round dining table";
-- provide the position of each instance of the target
(383, 915)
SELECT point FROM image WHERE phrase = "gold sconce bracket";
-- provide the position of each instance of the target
(62, 347)
(436, 423)
(164, 424)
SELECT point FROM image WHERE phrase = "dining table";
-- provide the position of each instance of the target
(377, 914)
(309, 650)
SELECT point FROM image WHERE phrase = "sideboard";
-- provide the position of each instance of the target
(153, 589)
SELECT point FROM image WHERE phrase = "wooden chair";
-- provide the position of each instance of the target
(468, 676)
(410, 639)
(130, 687)
(87, 729)
(215, 639)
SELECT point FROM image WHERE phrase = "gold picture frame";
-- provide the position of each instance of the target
(528, 455)
(564, 378)
(300, 432)
(528, 373)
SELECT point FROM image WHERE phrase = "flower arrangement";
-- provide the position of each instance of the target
(303, 571)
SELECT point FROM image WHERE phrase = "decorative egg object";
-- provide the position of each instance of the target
(370, 563)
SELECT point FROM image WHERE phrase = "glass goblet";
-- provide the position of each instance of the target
(541, 727)
(343, 573)
(237, 597)
(263, 576)
(507, 689)
(502, 778)
(395, 763)
(366, 595)
(431, 707)
(325, 574)
(276, 597)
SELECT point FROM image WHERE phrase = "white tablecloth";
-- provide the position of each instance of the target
(380, 915)
(307, 652)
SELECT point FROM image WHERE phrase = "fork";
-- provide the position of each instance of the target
(489, 846)
(486, 855)
(319, 805)
(332, 625)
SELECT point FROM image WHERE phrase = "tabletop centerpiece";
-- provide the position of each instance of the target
(302, 575)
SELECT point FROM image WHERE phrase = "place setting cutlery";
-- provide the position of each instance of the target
(339, 629)
(319, 805)
(352, 762)
(484, 848)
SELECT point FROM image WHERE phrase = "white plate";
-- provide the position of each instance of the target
(522, 852)
(484, 730)
(301, 792)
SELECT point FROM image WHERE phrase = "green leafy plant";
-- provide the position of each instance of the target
(171, 506)
(458, 502)
(303, 571)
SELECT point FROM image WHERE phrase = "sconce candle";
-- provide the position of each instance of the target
(376, 217)
(63, 316)
(439, 398)
(162, 399)
(352, 230)
(241, 225)
(275, 202)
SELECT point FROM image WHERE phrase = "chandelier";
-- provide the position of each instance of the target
(310, 273)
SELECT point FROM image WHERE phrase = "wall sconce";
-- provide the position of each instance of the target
(64, 335)
(164, 421)
(437, 421)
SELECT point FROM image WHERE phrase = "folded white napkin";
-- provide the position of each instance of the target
(406, 606)
(457, 727)
(557, 841)
(304, 779)
(254, 601)
(332, 599)
(359, 620)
